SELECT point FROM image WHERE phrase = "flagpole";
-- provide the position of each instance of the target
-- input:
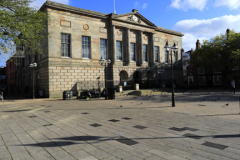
(114, 7)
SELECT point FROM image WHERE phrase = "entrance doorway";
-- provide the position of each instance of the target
(123, 78)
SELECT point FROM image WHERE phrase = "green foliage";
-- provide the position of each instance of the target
(22, 25)
(220, 53)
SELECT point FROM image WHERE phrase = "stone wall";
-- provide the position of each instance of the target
(65, 73)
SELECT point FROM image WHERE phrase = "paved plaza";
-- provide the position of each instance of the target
(202, 126)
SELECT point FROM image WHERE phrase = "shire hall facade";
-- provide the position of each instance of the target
(80, 38)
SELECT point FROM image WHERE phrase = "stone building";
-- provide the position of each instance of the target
(79, 38)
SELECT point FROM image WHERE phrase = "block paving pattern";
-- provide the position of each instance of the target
(80, 129)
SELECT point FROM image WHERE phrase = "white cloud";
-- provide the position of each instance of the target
(189, 4)
(231, 4)
(136, 4)
(39, 3)
(194, 29)
(144, 6)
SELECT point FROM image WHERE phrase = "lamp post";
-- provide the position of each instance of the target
(174, 48)
(33, 65)
(105, 62)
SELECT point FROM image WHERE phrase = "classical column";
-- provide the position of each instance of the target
(140, 46)
(114, 57)
(128, 49)
(151, 55)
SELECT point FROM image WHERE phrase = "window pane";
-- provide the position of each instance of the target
(103, 48)
(65, 44)
(85, 47)
(156, 51)
(119, 50)
(133, 51)
(145, 53)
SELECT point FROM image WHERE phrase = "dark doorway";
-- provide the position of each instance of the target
(123, 78)
(137, 78)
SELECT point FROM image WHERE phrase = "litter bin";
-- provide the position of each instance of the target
(111, 93)
(67, 95)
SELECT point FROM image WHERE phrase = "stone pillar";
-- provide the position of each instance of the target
(128, 49)
(114, 57)
(140, 46)
(151, 55)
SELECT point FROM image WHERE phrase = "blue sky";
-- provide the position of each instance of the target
(196, 19)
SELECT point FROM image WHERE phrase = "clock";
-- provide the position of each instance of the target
(135, 18)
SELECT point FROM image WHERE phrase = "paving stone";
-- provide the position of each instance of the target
(139, 127)
(120, 153)
(113, 120)
(196, 157)
(132, 158)
(61, 155)
(112, 158)
(80, 154)
(155, 158)
(90, 158)
(5, 155)
(180, 153)
(99, 154)
(126, 141)
(215, 145)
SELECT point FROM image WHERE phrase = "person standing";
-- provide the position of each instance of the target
(233, 86)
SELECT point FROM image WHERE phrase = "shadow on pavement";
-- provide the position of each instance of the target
(97, 139)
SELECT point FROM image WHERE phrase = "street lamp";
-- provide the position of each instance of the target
(105, 62)
(174, 49)
(33, 65)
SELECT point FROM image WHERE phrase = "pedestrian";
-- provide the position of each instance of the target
(88, 94)
(233, 86)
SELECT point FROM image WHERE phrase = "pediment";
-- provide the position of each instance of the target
(135, 18)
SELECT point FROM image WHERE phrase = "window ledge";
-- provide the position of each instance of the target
(66, 57)
(86, 58)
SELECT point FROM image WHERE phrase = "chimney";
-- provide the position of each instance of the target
(227, 31)
(197, 45)
(135, 10)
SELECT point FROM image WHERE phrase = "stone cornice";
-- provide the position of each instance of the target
(169, 31)
(73, 9)
(112, 16)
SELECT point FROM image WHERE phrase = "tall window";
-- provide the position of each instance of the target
(119, 50)
(103, 48)
(156, 53)
(145, 53)
(85, 47)
(132, 51)
(65, 44)
(166, 56)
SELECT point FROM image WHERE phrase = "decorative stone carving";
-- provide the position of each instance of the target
(119, 32)
(65, 23)
(145, 37)
(156, 39)
(85, 26)
(102, 30)
(133, 18)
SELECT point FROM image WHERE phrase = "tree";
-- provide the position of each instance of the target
(21, 25)
(220, 53)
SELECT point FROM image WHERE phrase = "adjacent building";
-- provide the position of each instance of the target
(79, 38)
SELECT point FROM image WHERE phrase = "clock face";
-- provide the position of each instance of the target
(135, 18)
